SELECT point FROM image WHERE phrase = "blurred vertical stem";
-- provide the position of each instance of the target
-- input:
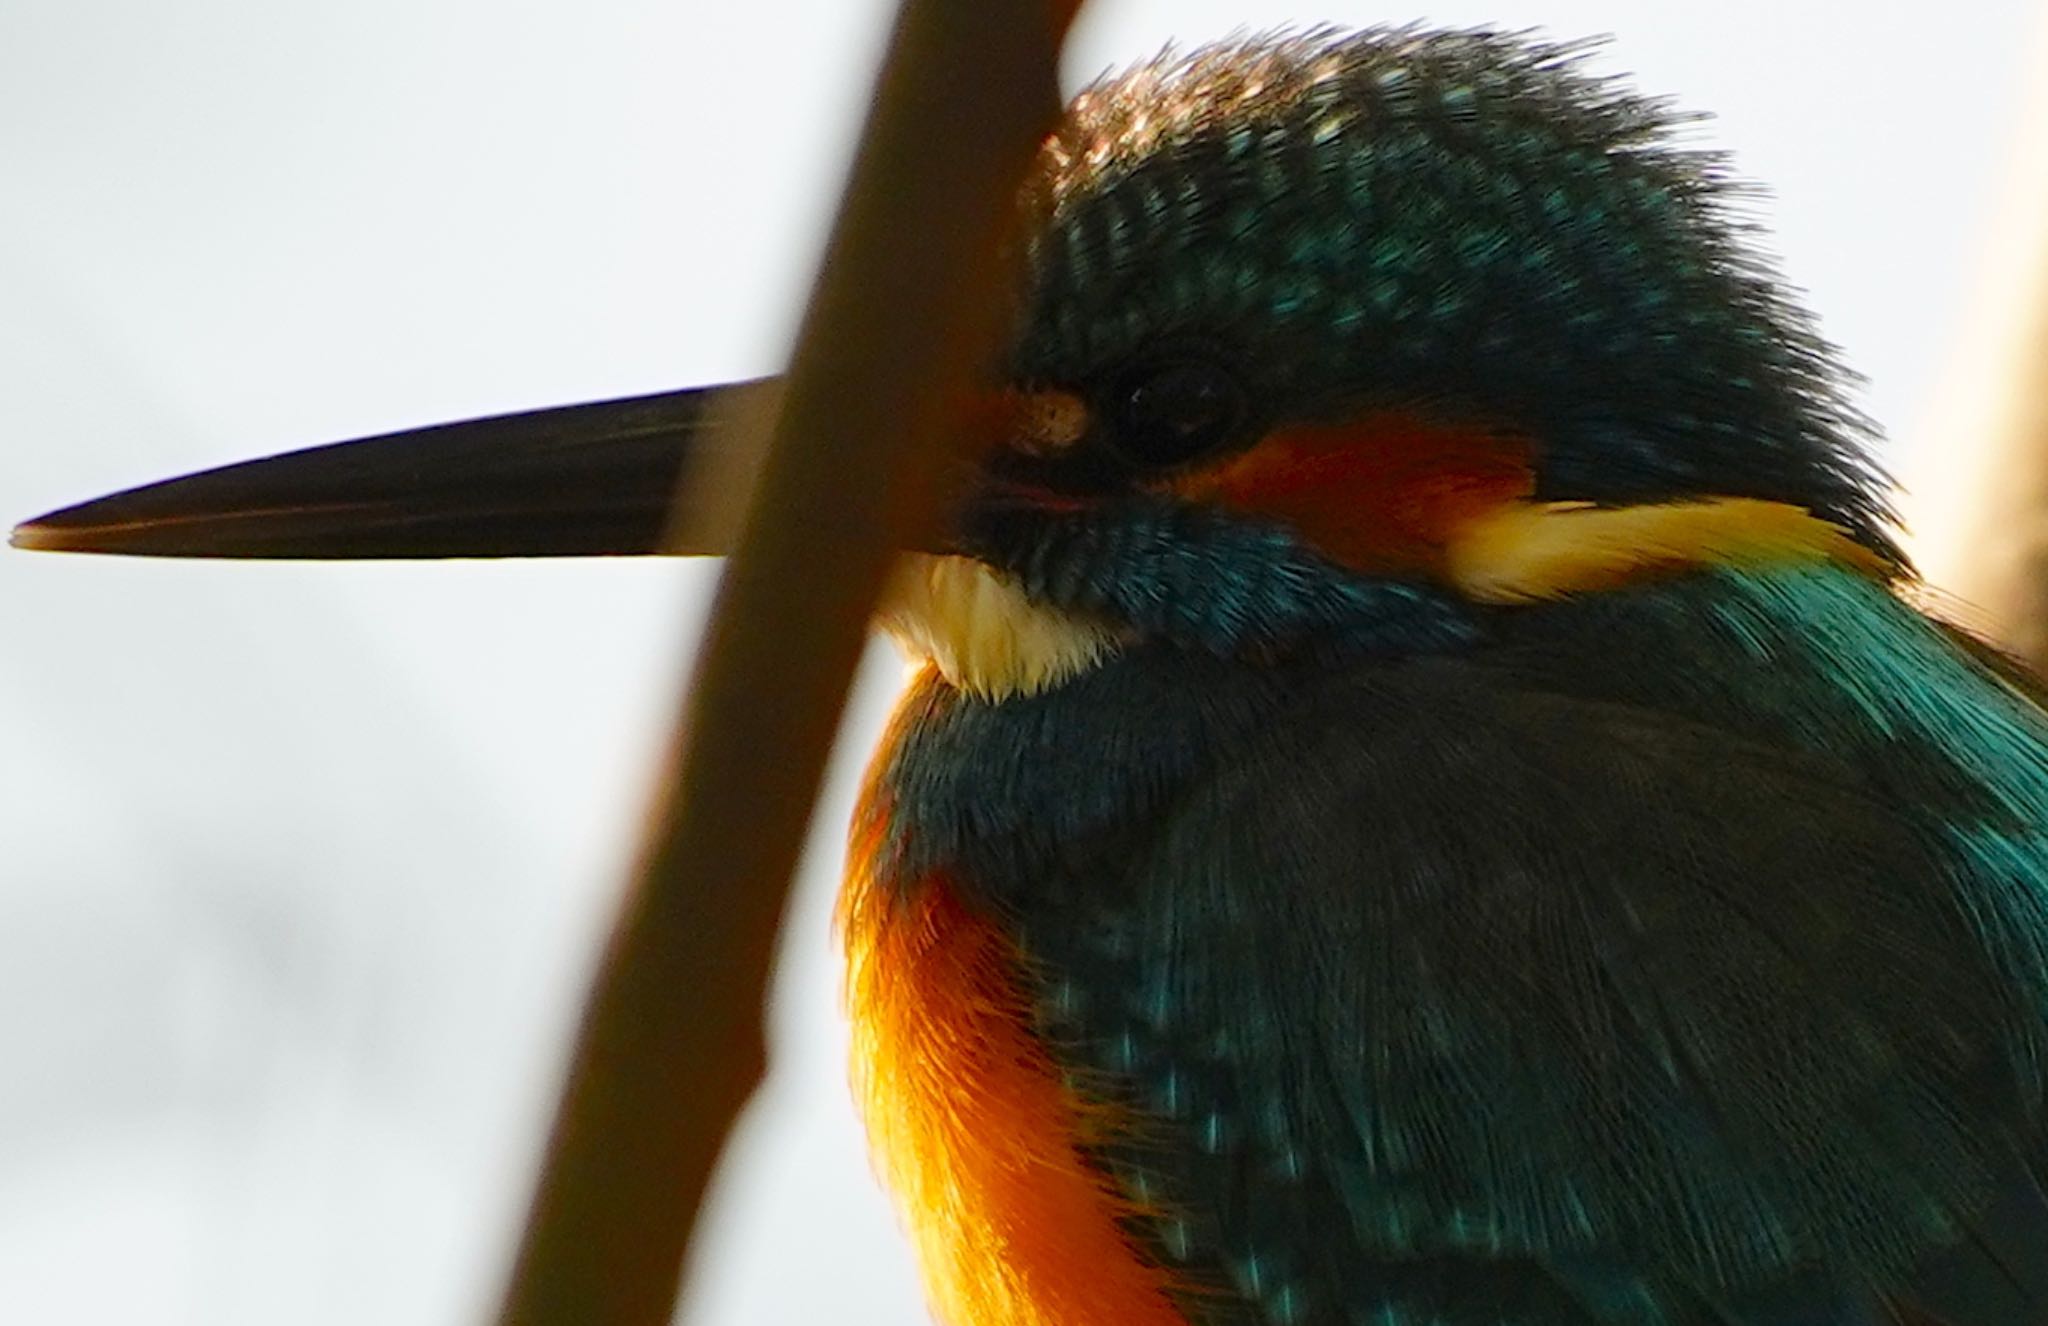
(902, 320)
(1978, 476)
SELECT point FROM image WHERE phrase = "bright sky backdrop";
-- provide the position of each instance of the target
(300, 867)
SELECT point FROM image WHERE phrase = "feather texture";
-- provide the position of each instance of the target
(1521, 983)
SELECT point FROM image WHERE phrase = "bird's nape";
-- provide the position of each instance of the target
(583, 480)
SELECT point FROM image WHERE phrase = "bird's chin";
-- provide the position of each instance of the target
(982, 633)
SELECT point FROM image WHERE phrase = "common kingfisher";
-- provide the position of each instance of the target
(1431, 796)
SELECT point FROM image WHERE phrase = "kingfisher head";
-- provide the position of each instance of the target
(1321, 341)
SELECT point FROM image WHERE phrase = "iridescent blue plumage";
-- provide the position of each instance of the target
(1523, 982)
(1468, 221)
(1674, 953)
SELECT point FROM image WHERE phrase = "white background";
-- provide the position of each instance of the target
(300, 866)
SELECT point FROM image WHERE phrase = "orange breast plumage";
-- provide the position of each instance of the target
(970, 1122)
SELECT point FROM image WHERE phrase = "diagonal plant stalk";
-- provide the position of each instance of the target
(903, 318)
(1978, 485)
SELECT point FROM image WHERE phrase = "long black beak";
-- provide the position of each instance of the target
(577, 481)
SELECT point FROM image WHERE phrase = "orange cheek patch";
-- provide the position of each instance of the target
(971, 1124)
(1392, 494)
(1388, 493)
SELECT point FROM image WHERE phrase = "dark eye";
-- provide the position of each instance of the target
(1172, 413)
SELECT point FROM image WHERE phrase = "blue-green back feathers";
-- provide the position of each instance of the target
(1525, 981)
(1673, 954)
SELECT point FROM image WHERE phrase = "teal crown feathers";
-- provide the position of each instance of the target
(1469, 225)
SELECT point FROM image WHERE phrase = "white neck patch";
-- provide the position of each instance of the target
(981, 632)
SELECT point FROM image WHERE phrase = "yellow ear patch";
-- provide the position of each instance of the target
(1523, 551)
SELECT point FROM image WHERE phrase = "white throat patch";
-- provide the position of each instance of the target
(981, 632)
